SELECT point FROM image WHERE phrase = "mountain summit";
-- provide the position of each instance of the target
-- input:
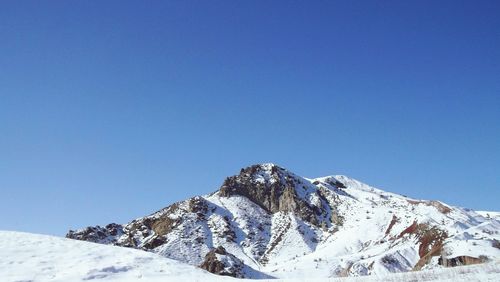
(275, 190)
(268, 222)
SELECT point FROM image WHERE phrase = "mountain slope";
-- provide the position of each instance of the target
(268, 222)
(33, 257)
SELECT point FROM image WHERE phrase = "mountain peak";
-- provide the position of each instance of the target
(258, 175)
(275, 189)
(266, 166)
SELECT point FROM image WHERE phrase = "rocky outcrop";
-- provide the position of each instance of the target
(460, 260)
(219, 261)
(98, 234)
(268, 186)
(430, 241)
(496, 244)
(331, 181)
(276, 190)
(145, 233)
(391, 224)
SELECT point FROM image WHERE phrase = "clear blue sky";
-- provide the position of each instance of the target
(110, 110)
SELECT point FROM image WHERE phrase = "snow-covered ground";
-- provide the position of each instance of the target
(33, 257)
(490, 214)
(480, 273)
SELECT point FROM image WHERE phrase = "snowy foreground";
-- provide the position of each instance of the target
(32, 257)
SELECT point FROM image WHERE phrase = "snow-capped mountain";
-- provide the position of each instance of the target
(267, 222)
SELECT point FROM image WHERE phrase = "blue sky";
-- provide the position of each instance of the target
(110, 110)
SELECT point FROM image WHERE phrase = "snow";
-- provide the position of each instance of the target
(361, 246)
(490, 214)
(477, 273)
(40, 258)
(32, 257)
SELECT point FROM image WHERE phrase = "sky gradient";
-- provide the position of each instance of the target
(111, 110)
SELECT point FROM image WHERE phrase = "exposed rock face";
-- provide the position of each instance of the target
(496, 244)
(219, 261)
(148, 232)
(461, 260)
(276, 190)
(429, 239)
(270, 186)
(98, 234)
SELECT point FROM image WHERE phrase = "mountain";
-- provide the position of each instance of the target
(267, 222)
